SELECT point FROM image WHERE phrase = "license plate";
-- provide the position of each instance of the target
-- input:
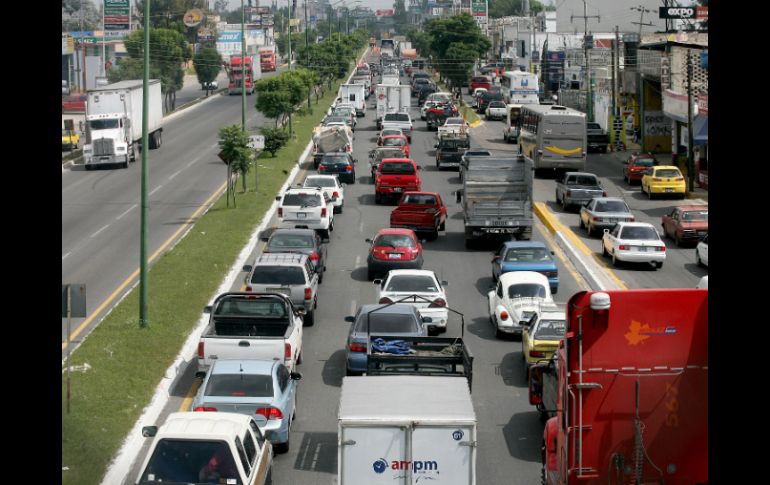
(301, 215)
(669, 190)
(394, 256)
(397, 189)
(285, 291)
(642, 249)
(612, 219)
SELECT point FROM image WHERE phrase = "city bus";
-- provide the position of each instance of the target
(520, 87)
(553, 136)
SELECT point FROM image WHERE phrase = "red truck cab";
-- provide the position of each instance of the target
(267, 60)
(420, 212)
(396, 176)
(479, 82)
(632, 399)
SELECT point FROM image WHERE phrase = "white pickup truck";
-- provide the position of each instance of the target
(257, 326)
(403, 121)
(208, 448)
(456, 126)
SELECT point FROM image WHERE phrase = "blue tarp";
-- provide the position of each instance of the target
(399, 347)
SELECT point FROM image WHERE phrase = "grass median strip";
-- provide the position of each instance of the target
(126, 362)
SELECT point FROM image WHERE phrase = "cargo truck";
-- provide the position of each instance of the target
(240, 77)
(392, 99)
(267, 58)
(354, 94)
(632, 397)
(114, 122)
(497, 198)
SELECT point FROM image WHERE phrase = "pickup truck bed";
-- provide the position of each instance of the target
(420, 217)
(577, 188)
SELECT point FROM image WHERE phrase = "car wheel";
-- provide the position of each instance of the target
(320, 278)
(590, 229)
(556, 197)
(370, 275)
(299, 358)
(331, 225)
(614, 259)
(564, 204)
(309, 319)
(434, 235)
(281, 448)
(697, 258)
(677, 240)
(377, 199)
(659, 264)
(442, 227)
(604, 250)
(581, 223)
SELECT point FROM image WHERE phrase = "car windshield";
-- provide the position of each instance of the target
(397, 167)
(320, 182)
(183, 461)
(550, 330)
(478, 154)
(413, 283)
(645, 162)
(302, 200)
(639, 232)
(278, 275)
(527, 255)
(667, 172)
(612, 206)
(396, 117)
(695, 215)
(480, 79)
(394, 142)
(526, 290)
(395, 241)
(419, 199)
(240, 385)
(103, 124)
(593, 126)
(387, 323)
(281, 241)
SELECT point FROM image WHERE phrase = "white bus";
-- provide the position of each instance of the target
(520, 87)
(553, 136)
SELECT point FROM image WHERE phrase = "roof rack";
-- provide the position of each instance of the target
(280, 258)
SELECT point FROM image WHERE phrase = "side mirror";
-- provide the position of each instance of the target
(377, 281)
(350, 318)
(444, 283)
(495, 257)
(427, 320)
(149, 431)
(247, 268)
(368, 239)
(435, 146)
(295, 376)
(320, 269)
(419, 167)
(300, 311)
(278, 197)
(207, 309)
(201, 374)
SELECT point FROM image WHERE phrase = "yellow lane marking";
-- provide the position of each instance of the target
(562, 151)
(133, 275)
(554, 225)
(567, 263)
(190, 395)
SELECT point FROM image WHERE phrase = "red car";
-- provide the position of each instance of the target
(397, 141)
(479, 82)
(394, 177)
(634, 168)
(393, 249)
(420, 212)
(686, 223)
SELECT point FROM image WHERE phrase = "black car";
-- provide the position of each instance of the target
(424, 92)
(419, 83)
(340, 164)
(303, 241)
(487, 97)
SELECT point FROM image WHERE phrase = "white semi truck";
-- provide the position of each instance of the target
(114, 122)
(392, 99)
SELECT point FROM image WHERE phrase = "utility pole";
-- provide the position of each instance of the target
(288, 35)
(144, 318)
(307, 53)
(690, 155)
(589, 92)
(615, 48)
(642, 11)
(243, 67)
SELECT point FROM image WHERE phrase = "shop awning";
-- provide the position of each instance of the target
(700, 130)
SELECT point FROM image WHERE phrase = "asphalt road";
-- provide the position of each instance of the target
(100, 208)
(509, 429)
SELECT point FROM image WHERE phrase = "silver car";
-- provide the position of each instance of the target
(603, 213)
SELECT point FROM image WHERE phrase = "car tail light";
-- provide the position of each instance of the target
(623, 247)
(322, 167)
(287, 350)
(679, 179)
(503, 315)
(660, 248)
(270, 413)
(280, 212)
(430, 211)
(200, 350)
(596, 219)
(604, 193)
(349, 168)
(308, 293)
(357, 347)
(385, 300)
(323, 212)
(536, 353)
(631, 219)
(335, 195)
(439, 156)
(315, 147)
(656, 179)
(438, 303)
(314, 256)
(205, 409)
(550, 274)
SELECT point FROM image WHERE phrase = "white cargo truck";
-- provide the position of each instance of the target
(354, 94)
(114, 122)
(406, 430)
(392, 99)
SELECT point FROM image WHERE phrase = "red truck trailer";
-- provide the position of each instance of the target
(632, 403)
(236, 74)
(267, 58)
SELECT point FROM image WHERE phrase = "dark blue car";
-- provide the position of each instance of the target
(526, 256)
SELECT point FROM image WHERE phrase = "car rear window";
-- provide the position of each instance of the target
(550, 330)
(419, 199)
(582, 180)
(412, 283)
(612, 206)
(396, 117)
(319, 182)
(251, 307)
(240, 385)
(302, 200)
(390, 153)
(397, 167)
(668, 172)
(387, 323)
(497, 104)
(481, 79)
(180, 461)
(393, 142)
(395, 241)
(527, 255)
(645, 162)
(281, 241)
(526, 290)
(695, 215)
(278, 275)
(641, 233)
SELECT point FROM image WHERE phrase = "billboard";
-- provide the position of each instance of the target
(384, 13)
(117, 15)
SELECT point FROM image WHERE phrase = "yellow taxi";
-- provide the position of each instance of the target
(663, 179)
(540, 339)
(69, 139)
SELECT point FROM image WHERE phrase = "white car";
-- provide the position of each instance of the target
(332, 186)
(306, 208)
(452, 125)
(702, 252)
(516, 298)
(402, 283)
(635, 242)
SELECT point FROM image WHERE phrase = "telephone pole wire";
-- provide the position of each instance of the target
(642, 11)
(586, 46)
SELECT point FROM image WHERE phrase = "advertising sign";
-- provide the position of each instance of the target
(117, 15)
(67, 44)
(676, 12)
(384, 13)
(479, 8)
(193, 17)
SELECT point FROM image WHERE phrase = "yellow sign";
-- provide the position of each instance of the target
(561, 151)
(193, 17)
(293, 22)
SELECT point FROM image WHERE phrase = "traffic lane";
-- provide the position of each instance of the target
(100, 213)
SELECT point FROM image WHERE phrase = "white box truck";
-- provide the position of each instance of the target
(354, 94)
(406, 430)
(114, 122)
(392, 99)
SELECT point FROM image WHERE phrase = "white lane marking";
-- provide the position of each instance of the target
(156, 189)
(173, 175)
(126, 212)
(352, 308)
(190, 164)
(358, 260)
(66, 255)
(100, 230)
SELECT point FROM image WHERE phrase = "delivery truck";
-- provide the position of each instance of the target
(114, 122)
(406, 430)
(392, 99)
(354, 94)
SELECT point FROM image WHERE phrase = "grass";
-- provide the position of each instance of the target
(469, 114)
(128, 362)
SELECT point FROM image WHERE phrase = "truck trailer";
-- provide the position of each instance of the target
(632, 397)
(114, 122)
(392, 99)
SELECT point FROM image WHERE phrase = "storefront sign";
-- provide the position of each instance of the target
(676, 12)
(675, 105)
(703, 105)
(117, 15)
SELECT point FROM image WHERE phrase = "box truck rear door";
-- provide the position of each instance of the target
(373, 455)
(444, 454)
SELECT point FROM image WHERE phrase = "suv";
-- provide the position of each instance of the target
(399, 120)
(293, 275)
(306, 208)
(300, 241)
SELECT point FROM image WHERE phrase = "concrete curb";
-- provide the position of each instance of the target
(119, 468)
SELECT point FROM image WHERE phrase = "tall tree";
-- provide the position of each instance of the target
(234, 143)
(73, 10)
(505, 8)
(208, 63)
(460, 60)
(400, 16)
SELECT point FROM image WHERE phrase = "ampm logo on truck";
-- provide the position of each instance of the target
(417, 466)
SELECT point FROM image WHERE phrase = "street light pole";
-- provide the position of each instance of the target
(144, 319)
(243, 67)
